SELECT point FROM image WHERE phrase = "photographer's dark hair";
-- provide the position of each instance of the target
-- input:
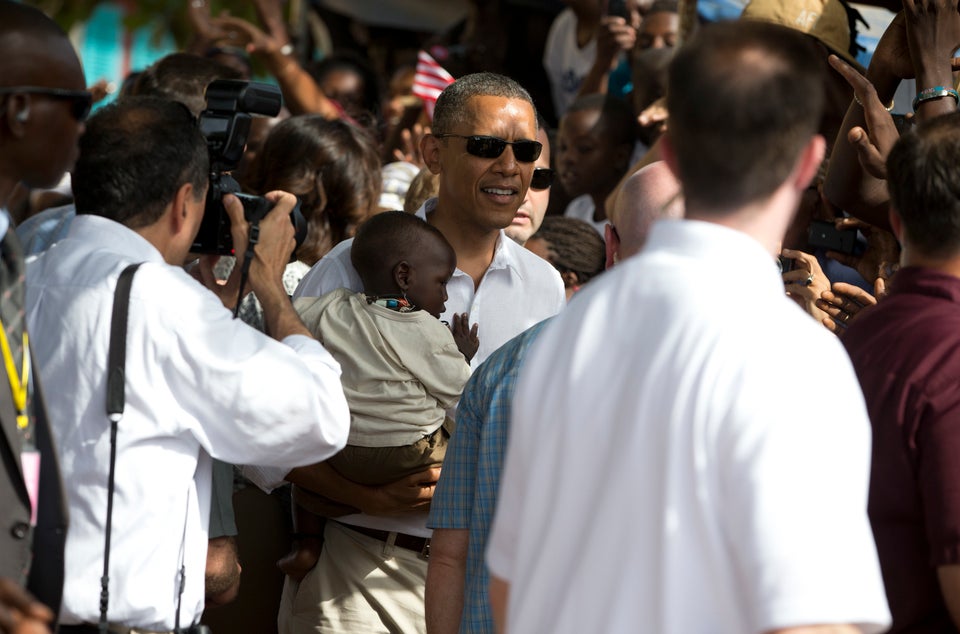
(313, 158)
(387, 239)
(135, 155)
(744, 98)
(923, 175)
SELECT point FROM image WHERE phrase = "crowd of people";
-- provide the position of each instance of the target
(678, 361)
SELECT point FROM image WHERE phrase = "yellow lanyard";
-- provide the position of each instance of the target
(18, 384)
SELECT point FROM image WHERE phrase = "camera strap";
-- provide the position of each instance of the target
(116, 367)
(253, 237)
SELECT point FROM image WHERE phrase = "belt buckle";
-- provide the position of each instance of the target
(425, 551)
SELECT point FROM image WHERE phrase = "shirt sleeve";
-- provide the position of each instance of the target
(452, 504)
(332, 271)
(247, 398)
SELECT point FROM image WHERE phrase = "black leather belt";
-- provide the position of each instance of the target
(419, 545)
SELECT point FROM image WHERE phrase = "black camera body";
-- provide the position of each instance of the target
(225, 125)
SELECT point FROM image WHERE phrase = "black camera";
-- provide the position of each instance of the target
(225, 125)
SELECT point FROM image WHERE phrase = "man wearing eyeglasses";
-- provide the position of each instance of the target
(484, 149)
(534, 207)
(42, 106)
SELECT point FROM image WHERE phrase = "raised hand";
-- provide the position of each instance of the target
(805, 282)
(466, 337)
(882, 254)
(844, 302)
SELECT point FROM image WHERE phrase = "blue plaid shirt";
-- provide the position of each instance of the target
(466, 494)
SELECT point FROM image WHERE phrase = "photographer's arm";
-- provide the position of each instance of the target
(412, 493)
(271, 255)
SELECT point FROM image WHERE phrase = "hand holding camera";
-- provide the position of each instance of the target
(274, 237)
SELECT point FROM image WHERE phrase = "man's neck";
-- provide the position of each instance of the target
(765, 221)
(474, 246)
(948, 265)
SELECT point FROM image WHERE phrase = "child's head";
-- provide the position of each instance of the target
(595, 142)
(396, 253)
(573, 247)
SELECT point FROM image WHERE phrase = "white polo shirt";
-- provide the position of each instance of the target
(679, 460)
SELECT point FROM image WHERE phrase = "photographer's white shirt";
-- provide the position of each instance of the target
(198, 384)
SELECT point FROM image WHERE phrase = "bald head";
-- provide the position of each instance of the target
(31, 46)
(649, 195)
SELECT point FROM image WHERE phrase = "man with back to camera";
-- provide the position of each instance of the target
(43, 102)
(199, 384)
(483, 149)
(705, 494)
(906, 356)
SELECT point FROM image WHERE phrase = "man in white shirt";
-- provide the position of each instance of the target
(483, 148)
(199, 384)
(677, 464)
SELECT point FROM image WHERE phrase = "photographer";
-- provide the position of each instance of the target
(198, 383)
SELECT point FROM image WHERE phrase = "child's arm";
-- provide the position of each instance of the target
(466, 337)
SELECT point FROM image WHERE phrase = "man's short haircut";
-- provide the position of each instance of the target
(134, 156)
(387, 239)
(452, 103)
(923, 175)
(744, 99)
(182, 77)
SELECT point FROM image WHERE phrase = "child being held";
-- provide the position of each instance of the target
(401, 366)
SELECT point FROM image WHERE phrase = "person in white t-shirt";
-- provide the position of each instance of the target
(664, 471)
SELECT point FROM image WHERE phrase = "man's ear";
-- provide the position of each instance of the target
(16, 113)
(430, 152)
(403, 275)
(808, 164)
(611, 240)
(896, 224)
(570, 279)
(179, 210)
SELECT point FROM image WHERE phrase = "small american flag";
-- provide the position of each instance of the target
(430, 80)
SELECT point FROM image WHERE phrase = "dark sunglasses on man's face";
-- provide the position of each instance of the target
(490, 147)
(80, 100)
(542, 178)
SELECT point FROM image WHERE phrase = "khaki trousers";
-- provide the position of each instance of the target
(360, 584)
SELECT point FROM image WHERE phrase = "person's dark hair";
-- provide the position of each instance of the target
(744, 98)
(387, 239)
(354, 63)
(335, 169)
(452, 103)
(136, 153)
(182, 77)
(616, 121)
(575, 245)
(923, 176)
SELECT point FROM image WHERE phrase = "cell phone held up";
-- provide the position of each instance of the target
(825, 235)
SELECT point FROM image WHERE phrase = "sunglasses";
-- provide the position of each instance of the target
(490, 147)
(543, 178)
(80, 100)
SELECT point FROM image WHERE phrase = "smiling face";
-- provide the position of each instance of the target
(534, 207)
(483, 194)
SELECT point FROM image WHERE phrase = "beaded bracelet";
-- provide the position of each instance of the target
(937, 92)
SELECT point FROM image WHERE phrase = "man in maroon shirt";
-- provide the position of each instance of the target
(906, 352)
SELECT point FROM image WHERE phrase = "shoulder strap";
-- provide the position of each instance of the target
(116, 364)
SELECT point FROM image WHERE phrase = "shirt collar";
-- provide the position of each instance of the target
(736, 258)
(92, 229)
(916, 280)
(504, 254)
